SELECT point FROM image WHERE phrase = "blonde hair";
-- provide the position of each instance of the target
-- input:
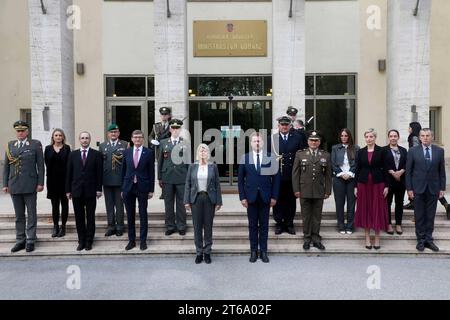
(370, 130)
(199, 148)
(52, 141)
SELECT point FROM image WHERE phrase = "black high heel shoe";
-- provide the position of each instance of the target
(369, 247)
(376, 247)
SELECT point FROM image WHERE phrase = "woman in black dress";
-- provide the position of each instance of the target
(56, 155)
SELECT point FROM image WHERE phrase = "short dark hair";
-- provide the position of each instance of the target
(394, 130)
(137, 132)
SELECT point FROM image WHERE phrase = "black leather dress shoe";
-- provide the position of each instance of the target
(130, 245)
(198, 259)
(119, 233)
(278, 229)
(55, 231)
(109, 233)
(88, 246)
(253, 256)
(306, 245)
(169, 232)
(29, 247)
(143, 245)
(62, 232)
(290, 230)
(420, 246)
(432, 246)
(182, 232)
(264, 257)
(80, 247)
(319, 245)
(447, 209)
(17, 247)
(207, 258)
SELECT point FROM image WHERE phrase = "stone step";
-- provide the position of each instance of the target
(5, 217)
(240, 224)
(116, 248)
(225, 237)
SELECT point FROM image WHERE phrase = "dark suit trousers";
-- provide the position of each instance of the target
(284, 210)
(84, 209)
(114, 208)
(397, 191)
(344, 190)
(172, 193)
(425, 205)
(130, 204)
(258, 224)
(202, 218)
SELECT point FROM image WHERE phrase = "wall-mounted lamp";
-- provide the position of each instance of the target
(80, 69)
(415, 116)
(382, 65)
(169, 14)
(44, 10)
(290, 10)
(416, 9)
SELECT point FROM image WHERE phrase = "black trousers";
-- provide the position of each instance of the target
(84, 209)
(130, 205)
(202, 217)
(425, 205)
(284, 210)
(398, 191)
(258, 224)
(56, 213)
(344, 190)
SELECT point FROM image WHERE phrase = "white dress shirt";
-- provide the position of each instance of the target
(255, 159)
(202, 177)
(345, 165)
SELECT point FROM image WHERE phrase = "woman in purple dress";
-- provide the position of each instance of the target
(371, 191)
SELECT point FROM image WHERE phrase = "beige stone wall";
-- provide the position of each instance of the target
(89, 88)
(371, 90)
(440, 65)
(15, 80)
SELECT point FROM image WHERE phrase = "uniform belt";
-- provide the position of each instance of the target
(202, 192)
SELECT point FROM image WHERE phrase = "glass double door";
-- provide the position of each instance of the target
(130, 116)
(230, 118)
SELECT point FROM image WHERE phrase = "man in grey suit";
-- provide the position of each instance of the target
(23, 177)
(112, 151)
(172, 171)
(425, 182)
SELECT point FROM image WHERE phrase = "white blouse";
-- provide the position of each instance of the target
(202, 177)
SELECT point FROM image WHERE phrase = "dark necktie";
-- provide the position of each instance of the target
(428, 157)
(258, 164)
(314, 156)
(84, 157)
(20, 144)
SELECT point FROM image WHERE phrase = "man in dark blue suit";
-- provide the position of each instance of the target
(138, 172)
(425, 182)
(285, 146)
(259, 185)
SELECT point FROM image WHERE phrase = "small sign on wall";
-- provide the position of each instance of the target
(230, 38)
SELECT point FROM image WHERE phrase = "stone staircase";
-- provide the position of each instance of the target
(230, 237)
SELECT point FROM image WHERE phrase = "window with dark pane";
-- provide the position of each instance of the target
(125, 86)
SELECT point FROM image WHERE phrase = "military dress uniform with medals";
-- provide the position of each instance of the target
(285, 148)
(23, 172)
(173, 177)
(311, 176)
(161, 131)
(112, 153)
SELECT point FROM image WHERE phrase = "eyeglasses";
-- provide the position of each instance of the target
(138, 137)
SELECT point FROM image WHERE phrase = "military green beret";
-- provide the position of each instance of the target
(113, 126)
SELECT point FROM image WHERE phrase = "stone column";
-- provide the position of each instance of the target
(51, 52)
(288, 75)
(170, 57)
(408, 65)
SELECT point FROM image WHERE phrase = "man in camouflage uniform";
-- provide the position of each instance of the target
(311, 182)
(23, 177)
(112, 151)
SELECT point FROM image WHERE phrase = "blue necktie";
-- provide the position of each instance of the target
(428, 157)
(258, 164)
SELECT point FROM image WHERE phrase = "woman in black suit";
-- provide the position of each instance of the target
(203, 196)
(56, 155)
(395, 163)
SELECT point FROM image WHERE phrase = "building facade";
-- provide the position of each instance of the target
(81, 64)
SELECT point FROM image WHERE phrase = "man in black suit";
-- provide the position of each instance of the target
(138, 172)
(425, 182)
(84, 187)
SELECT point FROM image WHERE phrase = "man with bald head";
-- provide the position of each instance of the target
(84, 187)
